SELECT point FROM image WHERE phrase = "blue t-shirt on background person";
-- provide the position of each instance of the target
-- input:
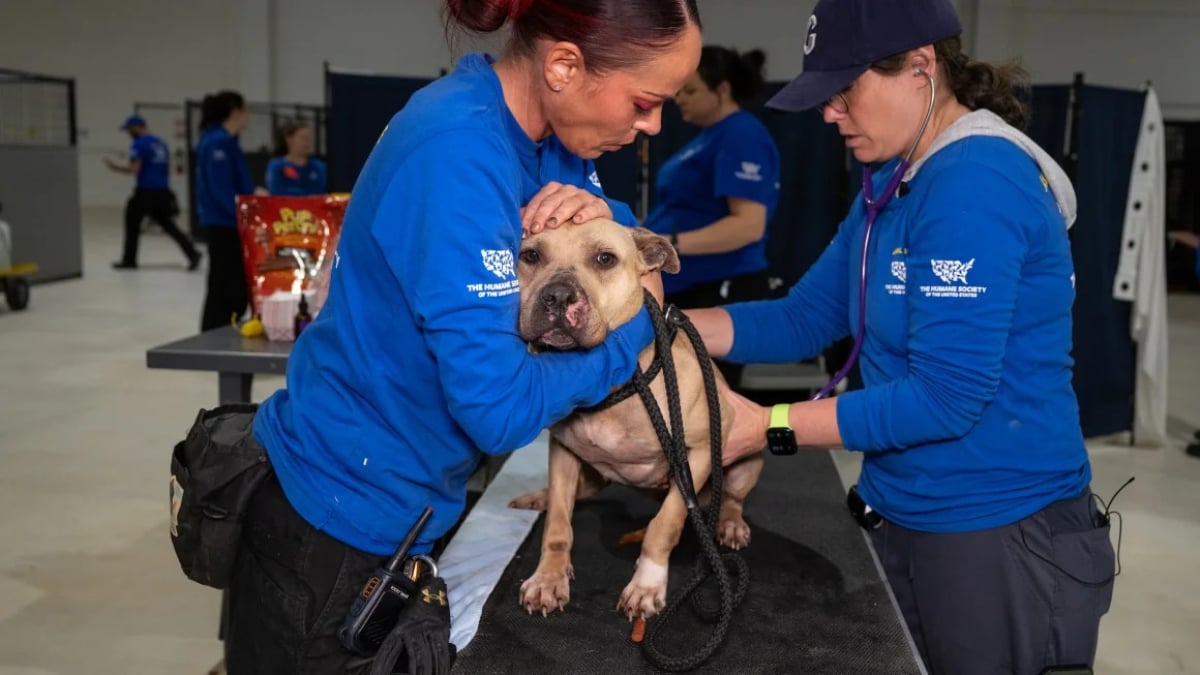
(285, 177)
(736, 157)
(413, 369)
(154, 162)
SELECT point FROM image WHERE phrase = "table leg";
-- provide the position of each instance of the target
(234, 387)
(231, 388)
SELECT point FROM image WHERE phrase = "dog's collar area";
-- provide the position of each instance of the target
(664, 333)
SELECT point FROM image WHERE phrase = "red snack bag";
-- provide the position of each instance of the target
(287, 242)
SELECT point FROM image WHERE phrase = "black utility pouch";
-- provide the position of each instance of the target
(215, 471)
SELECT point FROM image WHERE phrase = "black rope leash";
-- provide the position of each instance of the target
(704, 522)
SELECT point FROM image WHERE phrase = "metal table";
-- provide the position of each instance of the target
(223, 350)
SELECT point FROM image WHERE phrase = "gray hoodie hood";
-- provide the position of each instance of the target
(988, 123)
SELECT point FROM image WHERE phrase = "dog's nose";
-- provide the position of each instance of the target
(558, 295)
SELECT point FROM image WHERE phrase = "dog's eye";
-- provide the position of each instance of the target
(530, 256)
(606, 260)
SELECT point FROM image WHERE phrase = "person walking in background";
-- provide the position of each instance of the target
(294, 171)
(222, 175)
(150, 162)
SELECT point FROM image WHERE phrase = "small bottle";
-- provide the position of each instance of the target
(303, 318)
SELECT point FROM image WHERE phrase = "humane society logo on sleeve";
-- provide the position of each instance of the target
(953, 273)
(499, 262)
(750, 171)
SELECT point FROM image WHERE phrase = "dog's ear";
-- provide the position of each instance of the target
(656, 251)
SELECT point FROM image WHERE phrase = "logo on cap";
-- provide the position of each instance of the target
(811, 40)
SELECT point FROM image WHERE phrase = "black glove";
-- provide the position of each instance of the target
(420, 642)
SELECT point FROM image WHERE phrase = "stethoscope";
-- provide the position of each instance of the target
(874, 206)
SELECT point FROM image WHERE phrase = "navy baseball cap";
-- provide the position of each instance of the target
(846, 36)
(133, 121)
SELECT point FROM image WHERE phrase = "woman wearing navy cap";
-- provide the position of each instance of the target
(953, 272)
(716, 195)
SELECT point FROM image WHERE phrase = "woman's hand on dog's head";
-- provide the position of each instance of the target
(557, 203)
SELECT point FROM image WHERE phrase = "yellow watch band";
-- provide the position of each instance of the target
(779, 416)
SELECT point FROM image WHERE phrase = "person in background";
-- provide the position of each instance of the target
(294, 171)
(716, 195)
(975, 485)
(1191, 240)
(222, 175)
(150, 162)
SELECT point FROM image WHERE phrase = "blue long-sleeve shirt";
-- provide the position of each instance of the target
(221, 175)
(413, 368)
(968, 419)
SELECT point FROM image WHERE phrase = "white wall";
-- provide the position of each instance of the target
(1120, 43)
(121, 51)
(399, 37)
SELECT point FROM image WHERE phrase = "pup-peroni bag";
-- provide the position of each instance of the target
(288, 245)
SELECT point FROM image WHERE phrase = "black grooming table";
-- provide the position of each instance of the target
(816, 602)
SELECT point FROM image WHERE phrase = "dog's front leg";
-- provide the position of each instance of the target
(550, 586)
(740, 479)
(646, 593)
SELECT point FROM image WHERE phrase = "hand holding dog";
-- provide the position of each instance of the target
(747, 428)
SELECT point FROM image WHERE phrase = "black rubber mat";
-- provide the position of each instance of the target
(815, 605)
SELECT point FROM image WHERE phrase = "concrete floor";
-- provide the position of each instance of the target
(88, 581)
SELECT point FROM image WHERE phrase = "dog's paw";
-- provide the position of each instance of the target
(547, 591)
(646, 593)
(534, 501)
(733, 532)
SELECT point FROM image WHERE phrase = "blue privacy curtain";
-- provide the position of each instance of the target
(360, 106)
(1105, 130)
(812, 198)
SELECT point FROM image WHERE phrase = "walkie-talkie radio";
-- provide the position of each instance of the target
(377, 608)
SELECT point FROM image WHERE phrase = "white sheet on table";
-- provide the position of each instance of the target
(489, 538)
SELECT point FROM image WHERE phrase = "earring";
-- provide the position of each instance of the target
(557, 87)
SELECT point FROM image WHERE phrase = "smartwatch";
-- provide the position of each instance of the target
(675, 241)
(781, 440)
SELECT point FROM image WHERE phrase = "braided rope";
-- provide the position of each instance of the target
(704, 522)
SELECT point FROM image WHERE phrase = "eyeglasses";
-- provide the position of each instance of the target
(837, 103)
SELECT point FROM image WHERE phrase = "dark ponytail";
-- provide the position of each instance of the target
(612, 34)
(217, 108)
(744, 72)
(1003, 89)
(1000, 88)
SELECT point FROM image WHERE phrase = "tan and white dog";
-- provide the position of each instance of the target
(578, 282)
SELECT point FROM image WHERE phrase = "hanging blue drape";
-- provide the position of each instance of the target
(1107, 132)
(360, 106)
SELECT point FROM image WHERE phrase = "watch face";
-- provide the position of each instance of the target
(781, 441)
